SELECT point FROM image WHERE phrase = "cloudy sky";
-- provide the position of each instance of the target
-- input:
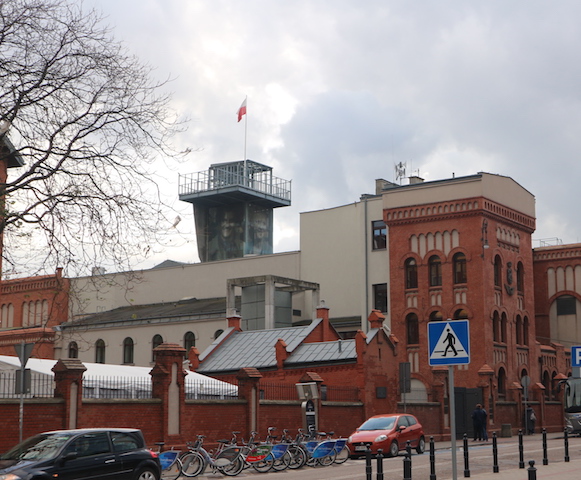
(340, 91)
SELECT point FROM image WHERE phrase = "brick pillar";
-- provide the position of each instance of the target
(68, 379)
(168, 384)
(248, 389)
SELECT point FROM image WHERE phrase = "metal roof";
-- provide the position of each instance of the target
(191, 309)
(257, 349)
(323, 352)
(253, 348)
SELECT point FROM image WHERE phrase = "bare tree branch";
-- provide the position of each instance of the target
(92, 127)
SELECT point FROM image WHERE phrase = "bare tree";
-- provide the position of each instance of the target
(92, 128)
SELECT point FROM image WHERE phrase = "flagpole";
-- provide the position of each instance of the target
(245, 127)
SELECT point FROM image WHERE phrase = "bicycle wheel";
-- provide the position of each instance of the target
(283, 462)
(171, 466)
(233, 468)
(298, 457)
(328, 459)
(342, 456)
(193, 464)
(264, 465)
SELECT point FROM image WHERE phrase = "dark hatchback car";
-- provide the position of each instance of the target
(100, 453)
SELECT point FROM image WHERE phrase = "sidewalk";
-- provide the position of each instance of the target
(557, 468)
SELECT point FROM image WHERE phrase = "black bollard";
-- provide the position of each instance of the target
(495, 468)
(521, 457)
(466, 465)
(532, 470)
(407, 465)
(432, 459)
(368, 470)
(408, 448)
(545, 457)
(566, 445)
(379, 464)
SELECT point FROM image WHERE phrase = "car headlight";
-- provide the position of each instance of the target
(9, 476)
(381, 438)
(350, 439)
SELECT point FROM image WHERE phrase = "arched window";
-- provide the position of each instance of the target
(412, 327)
(496, 327)
(501, 382)
(436, 316)
(189, 341)
(503, 323)
(525, 331)
(73, 350)
(459, 261)
(547, 385)
(156, 341)
(461, 314)
(217, 333)
(99, 351)
(497, 271)
(411, 273)
(128, 350)
(519, 331)
(435, 271)
(520, 280)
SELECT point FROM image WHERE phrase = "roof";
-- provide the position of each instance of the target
(256, 349)
(100, 374)
(187, 309)
(323, 352)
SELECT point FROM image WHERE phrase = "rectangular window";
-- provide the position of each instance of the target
(379, 235)
(380, 297)
(566, 305)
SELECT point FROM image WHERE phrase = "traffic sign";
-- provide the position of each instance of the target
(449, 342)
(576, 356)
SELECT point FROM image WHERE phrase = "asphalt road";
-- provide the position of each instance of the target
(480, 463)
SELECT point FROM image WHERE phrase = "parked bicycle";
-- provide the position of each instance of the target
(227, 459)
(171, 466)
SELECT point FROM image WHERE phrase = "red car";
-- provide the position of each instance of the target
(388, 432)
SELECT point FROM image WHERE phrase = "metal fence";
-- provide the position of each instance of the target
(284, 391)
(40, 385)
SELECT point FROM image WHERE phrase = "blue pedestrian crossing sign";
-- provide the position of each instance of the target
(576, 356)
(449, 342)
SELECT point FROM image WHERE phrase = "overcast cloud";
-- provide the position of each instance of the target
(340, 91)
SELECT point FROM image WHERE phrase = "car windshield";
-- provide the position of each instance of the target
(40, 447)
(380, 423)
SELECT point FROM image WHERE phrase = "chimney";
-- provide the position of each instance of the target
(234, 322)
(323, 311)
(376, 319)
(416, 179)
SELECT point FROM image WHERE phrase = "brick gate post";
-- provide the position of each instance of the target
(68, 379)
(248, 389)
(168, 384)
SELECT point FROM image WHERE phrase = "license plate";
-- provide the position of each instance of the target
(360, 448)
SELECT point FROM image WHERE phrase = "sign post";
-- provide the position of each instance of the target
(449, 344)
(23, 350)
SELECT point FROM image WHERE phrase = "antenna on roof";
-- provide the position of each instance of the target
(400, 171)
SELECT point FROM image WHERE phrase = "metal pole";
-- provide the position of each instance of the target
(432, 459)
(21, 409)
(368, 470)
(532, 470)
(407, 466)
(379, 464)
(494, 453)
(545, 457)
(452, 413)
(521, 458)
(466, 459)
(566, 445)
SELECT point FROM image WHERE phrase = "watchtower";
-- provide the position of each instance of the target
(233, 208)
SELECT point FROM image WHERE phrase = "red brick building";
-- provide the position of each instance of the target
(29, 309)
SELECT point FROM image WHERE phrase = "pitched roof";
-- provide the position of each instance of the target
(190, 309)
(256, 349)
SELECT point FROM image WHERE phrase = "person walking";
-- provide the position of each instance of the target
(531, 420)
(479, 422)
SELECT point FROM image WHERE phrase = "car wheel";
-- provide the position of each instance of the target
(421, 448)
(146, 474)
(394, 449)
